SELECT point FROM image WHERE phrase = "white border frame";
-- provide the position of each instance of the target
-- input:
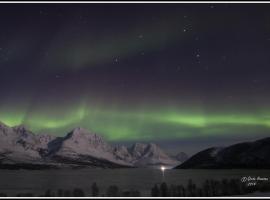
(122, 2)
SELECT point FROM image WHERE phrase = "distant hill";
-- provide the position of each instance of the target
(250, 155)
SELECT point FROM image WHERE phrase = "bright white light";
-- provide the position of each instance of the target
(162, 168)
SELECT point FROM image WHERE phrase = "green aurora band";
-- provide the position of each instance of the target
(141, 124)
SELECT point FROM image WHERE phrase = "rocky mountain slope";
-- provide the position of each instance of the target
(20, 148)
(181, 157)
(149, 155)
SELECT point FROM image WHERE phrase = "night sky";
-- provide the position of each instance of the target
(182, 75)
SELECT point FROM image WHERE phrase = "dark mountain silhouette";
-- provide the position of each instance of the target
(252, 155)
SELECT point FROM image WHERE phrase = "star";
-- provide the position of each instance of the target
(140, 36)
(224, 57)
(41, 12)
(178, 68)
(116, 60)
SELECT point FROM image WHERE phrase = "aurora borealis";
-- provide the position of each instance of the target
(137, 72)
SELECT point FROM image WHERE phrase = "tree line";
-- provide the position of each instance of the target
(209, 188)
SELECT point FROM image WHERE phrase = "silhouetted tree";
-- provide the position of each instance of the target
(136, 193)
(234, 187)
(194, 190)
(181, 192)
(131, 193)
(155, 191)
(264, 187)
(173, 191)
(191, 188)
(95, 190)
(200, 192)
(24, 195)
(213, 187)
(126, 194)
(77, 192)
(224, 187)
(60, 192)
(206, 188)
(113, 191)
(3, 195)
(164, 192)
(48, 193)
(67, 193)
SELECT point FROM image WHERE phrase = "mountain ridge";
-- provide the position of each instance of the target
(21, 148)
(244, 155)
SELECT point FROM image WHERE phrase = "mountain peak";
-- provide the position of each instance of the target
(83, 139)
(139, 145)
(146, 154)
(4, 128)
(20, 127)
(182, 157)
(138, 149)
(22, 131)
(153, 145)
(2, 124)
(80, 132)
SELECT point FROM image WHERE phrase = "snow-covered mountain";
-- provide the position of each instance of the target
(80, 147)
(85, 147)
(122, 153)
(149, 155)
(181, 157)
(17, 144)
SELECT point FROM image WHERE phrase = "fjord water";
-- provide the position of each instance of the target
(37, 182)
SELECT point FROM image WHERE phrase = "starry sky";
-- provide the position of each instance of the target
(182, 75)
